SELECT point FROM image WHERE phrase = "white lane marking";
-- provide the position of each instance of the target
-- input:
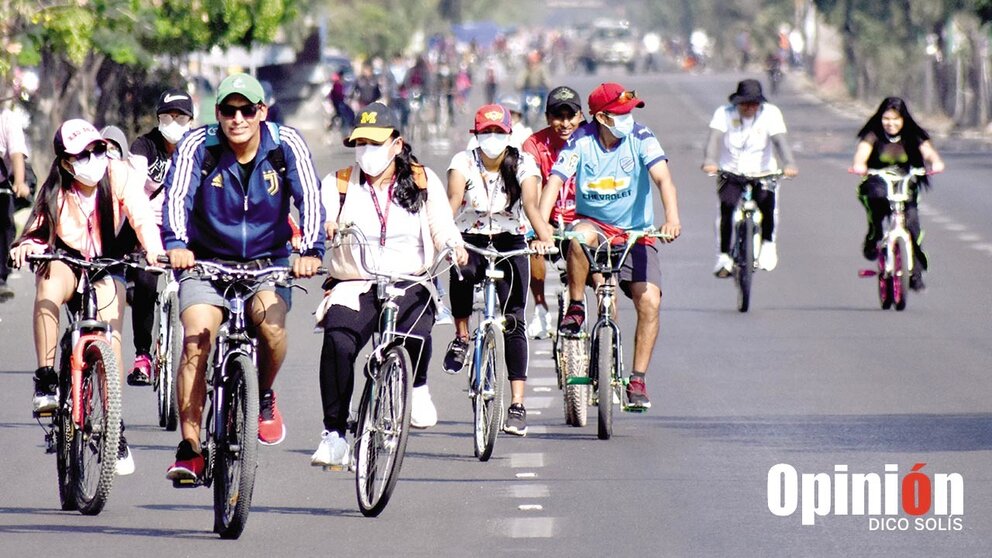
(982, 247)
(527, 475)
(531, 528)
(542, 363)
(541, 352)
(542, 389)
(543, 381)
(537, 429)
(969, 237)
(534, 412)
(526, 460)
(530, 507)
(539, 402)
(955, 227)
(529, 490)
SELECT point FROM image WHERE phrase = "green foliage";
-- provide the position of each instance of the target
(368, 29)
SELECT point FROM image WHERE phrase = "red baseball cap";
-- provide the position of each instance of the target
(492, 116)
(614, 99)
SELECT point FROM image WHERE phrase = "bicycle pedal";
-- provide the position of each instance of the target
(333, 468)
(42, 414)
(634, 409)
(186, 483)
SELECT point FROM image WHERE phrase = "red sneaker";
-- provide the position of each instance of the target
(188, 466)
(271, 430)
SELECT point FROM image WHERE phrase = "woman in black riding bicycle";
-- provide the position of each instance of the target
(891, 137)
(79, 210)
(493, 191)
(401, 208)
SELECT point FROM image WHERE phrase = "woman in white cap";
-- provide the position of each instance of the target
(76, 211)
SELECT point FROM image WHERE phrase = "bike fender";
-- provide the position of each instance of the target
(76, 366)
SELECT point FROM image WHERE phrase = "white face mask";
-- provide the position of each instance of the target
(90, 171)
(623, 125)
(373, 159)
(173, 131)
(493, 145)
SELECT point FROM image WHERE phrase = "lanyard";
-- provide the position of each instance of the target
(383, 217)
(90, 250)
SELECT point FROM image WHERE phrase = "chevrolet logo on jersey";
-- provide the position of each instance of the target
(272, 179)
(607, 188)
(369, 117)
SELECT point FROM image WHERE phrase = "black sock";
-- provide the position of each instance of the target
(636, 374)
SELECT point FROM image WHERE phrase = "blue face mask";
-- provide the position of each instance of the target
(623, 125)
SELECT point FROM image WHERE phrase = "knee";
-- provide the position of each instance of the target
(648, 303)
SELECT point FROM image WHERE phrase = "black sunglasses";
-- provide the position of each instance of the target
(99, 149)
(247, 111)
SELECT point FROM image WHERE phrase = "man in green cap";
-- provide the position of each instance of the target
(228, 195)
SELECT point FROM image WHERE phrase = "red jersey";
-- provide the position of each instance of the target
(545, 145)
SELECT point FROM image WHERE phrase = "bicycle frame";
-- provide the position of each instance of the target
(897, 186)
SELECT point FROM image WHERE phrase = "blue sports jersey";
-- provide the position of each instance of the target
(613, 187)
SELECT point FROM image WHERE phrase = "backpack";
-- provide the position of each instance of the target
(276, 157)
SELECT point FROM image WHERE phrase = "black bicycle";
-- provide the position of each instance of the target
(747, 237)
(231, 415)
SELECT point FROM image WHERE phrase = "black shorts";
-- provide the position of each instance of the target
(642, 265)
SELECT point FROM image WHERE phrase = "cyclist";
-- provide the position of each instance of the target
(154, 150)
(401, 206)
(892, 137)
(564, 116)
(227, 197)
(78, 210)
(13, 184)
(747, 137)
(614, 161)
(493, 191)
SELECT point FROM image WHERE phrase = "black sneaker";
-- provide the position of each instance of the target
(571, 322)
(637, 393)
(6, 293)
(46, 386)
(516, 420)
(916, 281)
(870, 248)
(454, 359)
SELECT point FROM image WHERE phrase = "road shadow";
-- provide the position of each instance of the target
(910, 433)
(278, 510)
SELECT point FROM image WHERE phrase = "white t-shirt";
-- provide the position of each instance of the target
(484, 205)
(747, 145)
(11, 138)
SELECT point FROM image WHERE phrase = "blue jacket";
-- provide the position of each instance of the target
(217, 216)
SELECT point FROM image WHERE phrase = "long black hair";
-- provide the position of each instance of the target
(508, 172)
(910, 129)
(46, 205)
(407, 194)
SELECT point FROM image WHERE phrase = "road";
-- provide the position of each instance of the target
(814, 376)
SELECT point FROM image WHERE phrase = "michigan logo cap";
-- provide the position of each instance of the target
(374, 123)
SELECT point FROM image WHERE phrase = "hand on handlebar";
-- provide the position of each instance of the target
(790, 172)
(542, 246)
(860, 170)
(19, 254)
(460, 255)
(710, 169)
(181, 258)
(306, 266)
(672, 230)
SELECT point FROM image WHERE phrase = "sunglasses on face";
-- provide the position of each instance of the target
(247, 111)
(626, 96)
(181, 119)
(97, 149)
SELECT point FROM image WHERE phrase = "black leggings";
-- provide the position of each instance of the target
(143, 308)
(346, 332)
(730, 194)
(511, 291)
(872, 193)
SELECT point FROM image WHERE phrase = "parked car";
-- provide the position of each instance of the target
(610, 43)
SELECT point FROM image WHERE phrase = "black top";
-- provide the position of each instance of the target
(152, 147)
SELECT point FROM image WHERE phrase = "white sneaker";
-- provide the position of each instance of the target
(125, 461)
(44, 403)
(332, 451)
(546, 322)
(444, 316)
(423, 414)
(538, 327)
(768, 257)
(724, 265)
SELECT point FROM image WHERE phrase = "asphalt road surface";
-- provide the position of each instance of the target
(815, 376)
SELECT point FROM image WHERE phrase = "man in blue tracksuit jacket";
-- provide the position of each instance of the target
(227, 198)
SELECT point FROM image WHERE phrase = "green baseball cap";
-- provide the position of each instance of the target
(242, 84)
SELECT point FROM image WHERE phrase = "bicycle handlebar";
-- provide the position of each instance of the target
(97, 264)
(497, 255)
(434, 268)
(631, 236)
(897, 173)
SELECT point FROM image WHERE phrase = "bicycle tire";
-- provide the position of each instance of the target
(575, 397)
(556, 341)
(487, 402)
(382, 432)
(63, 432)
(605, 375)
(171, 355)
(900, 282)
(745, 263)
(236, 449)
(95, 445)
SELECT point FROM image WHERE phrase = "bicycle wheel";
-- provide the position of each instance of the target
(900, 282)
(63, 431)
(169, 357)
(575, 397)
(745, 263)
(487, 402)
(382, 431)
(236, 451)
(95, 444)
(556, 342)
(604, 376)
(884, 283)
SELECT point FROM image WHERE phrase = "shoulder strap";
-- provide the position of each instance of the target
(343, 176)
(419, 176)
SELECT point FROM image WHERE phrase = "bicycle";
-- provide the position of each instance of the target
(381, 432)
(747, 239)
(86, 424)
(231, 414)
(167, 352)
(895, 253)
(487, 376)
(571, 361)
(605, 368)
